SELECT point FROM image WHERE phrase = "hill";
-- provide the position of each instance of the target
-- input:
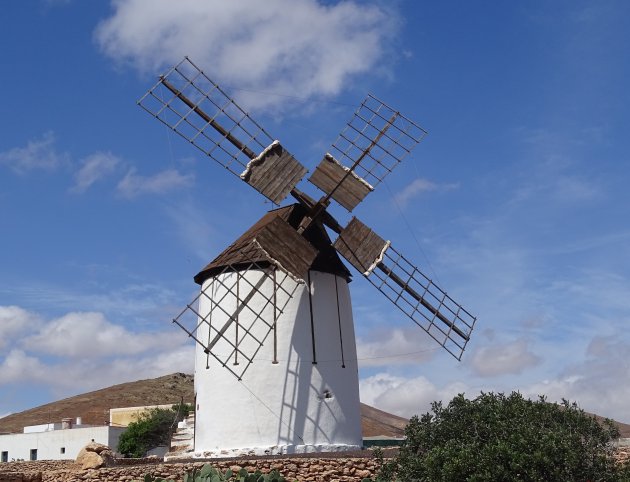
(93, 407)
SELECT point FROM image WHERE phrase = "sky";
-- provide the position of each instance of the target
(516, 202)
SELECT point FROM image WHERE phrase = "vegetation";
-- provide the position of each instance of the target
(152, 429)
(495, 437)
(209, 474)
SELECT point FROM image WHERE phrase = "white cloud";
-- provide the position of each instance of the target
(93, 168)
(405, 396)
(82, 344)
(92, 335)
(37, 154)
(17, 366)
(168, 180)
(503, 358)
(68, 377)
(293, 47)
(14, 321)
(419, 186)
(599, 384)
(395, 346)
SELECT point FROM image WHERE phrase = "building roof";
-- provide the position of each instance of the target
(246, 249)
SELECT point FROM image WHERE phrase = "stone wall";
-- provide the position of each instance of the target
(296, 468)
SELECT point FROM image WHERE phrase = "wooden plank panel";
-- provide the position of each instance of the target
(274, 173)
(292, 172)
(330, 173)
(282, 243)
(359, 245)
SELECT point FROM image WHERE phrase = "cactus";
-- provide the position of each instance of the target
(208, 473)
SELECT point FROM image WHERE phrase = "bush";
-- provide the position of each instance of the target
(152, 429)
(496, 438)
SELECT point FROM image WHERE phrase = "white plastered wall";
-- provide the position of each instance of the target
(294, 405)
(49, 444)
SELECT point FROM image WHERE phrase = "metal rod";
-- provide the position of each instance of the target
(239, 308)
(218, 127)
(275, 320)
(210, 327)
(390, 122)
(343, 361)
(388, 271)
(310, 304)
(320, 207)
(190, 335)
(238, 297)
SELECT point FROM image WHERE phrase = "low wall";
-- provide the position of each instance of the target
(342, 469)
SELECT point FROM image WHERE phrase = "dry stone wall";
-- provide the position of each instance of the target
(300, 469)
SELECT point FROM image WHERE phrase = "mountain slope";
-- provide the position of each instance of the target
(93, 407)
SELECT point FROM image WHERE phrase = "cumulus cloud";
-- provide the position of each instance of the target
(17, 366)
(599, 384)
(294, 47)
(397, 346)
(92, 335)
(63, 354)
(133, 185)
(420, 186)
(67, 376)
(94, 168)
(405, 396)
(503, 359)
(14, 321)
(37, 154)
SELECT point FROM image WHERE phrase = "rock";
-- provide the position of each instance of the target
(90, 460)
(95, 456)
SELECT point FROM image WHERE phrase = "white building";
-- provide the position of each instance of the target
(55, 441)
(300, 393)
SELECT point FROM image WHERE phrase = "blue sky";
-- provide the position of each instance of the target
(516, 202)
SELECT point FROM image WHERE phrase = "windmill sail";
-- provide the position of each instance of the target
(446, 321)
(241, 311)
(371, 145)
(196, 108)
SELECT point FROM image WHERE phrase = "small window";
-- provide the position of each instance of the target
(62, 450)
(5, 456)
(33, 454)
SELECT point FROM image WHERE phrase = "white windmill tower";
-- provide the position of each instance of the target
(275, 365)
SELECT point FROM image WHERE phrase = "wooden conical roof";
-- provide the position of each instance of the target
(242, 252)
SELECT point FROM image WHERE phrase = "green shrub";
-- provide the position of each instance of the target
(152, 429)
(497, 438)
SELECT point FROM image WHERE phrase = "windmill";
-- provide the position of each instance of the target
(274, 309)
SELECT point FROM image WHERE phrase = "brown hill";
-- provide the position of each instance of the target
(93, 407)
(377, 422)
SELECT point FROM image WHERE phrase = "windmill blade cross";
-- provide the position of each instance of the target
(218, 127)
(234, 316)
(197, 109)
(431, 308)
(370, 146)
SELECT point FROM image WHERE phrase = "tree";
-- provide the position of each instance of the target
(152, 429)
(496, 438)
